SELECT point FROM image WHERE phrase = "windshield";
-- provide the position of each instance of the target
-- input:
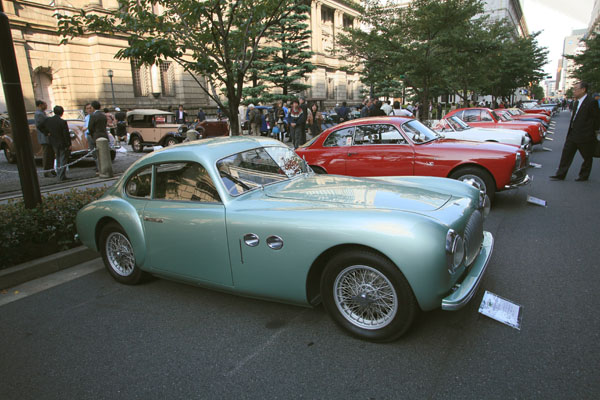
(311, 141)
(255, 168)
(505, 116)
(457, 123)
(419, 133)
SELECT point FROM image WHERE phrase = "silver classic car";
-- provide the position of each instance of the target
(248, 216)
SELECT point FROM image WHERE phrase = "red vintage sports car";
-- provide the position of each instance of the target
(487, 118)
(517, 113)
(391, 146)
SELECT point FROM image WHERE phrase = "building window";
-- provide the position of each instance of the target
(326, 15)
(141, 80)
(348, 21)
(330, 94)
(350, 90)
(167, 79)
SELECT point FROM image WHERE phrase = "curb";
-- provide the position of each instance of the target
(30, 270)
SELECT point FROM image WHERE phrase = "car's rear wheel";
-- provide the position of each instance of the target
(136, 144)
(318, 170)
(367, 295)
(117, 254)
(10, 156)
(479, 176)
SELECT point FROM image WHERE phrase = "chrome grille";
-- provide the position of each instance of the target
(473, 236)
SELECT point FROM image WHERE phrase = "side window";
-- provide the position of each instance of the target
(185, 181)
(471, 116)
(341, 137)
(140, 184)
(377, 134)
(485, 116)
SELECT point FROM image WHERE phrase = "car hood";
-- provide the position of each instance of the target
(366, 192)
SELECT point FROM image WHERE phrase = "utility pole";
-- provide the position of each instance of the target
(18, 116)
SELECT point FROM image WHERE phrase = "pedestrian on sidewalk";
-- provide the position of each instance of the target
(581, 136)
(121, 117)
(97, 129)
(47, 152)
(297, 120)
(60, 140)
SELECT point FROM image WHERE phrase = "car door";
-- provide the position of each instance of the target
(184, 224)
(332, 155)
(379, 150)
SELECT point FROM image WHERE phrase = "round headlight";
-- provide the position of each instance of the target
(459, 253)
(455, 250)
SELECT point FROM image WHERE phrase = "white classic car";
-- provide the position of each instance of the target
(455, 128)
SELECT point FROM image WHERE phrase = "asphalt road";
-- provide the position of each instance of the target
(92, 338)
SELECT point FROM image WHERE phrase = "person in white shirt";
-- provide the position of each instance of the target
(399, 111)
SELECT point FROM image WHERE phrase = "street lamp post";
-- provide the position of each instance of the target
(112, 88)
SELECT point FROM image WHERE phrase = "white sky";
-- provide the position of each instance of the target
(556, 19)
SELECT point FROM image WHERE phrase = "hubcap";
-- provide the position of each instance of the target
(365, 297)
(120, 254)
(480, 183)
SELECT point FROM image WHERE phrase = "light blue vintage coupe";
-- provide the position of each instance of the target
(248, 216)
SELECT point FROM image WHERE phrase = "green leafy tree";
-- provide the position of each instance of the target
(415, 44)
(518, 63)
(469, 69)
(215, 41)
(587, 64)
(283, 60)
(537, 92)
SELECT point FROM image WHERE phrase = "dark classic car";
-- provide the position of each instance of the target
(246, 215)
(79, 144)
(392, 146)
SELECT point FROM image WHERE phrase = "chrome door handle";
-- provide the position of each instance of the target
(159, 220)
(251, 239)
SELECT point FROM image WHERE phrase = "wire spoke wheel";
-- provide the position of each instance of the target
(365, 297)
(119, 254)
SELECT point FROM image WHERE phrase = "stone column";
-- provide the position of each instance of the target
(317, 32)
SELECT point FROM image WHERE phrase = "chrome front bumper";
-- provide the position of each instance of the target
(468, 287)
(513, 185)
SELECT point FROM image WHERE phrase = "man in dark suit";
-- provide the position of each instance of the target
(58, 136)
(97, 128)
(585, 121)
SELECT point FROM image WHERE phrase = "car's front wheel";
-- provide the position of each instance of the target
(482, 179)
(136, 144)
(367, 295)
(171, 141)
(117, 254)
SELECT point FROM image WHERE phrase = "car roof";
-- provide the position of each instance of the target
(149, 112)
(379, 119)
(208, 151)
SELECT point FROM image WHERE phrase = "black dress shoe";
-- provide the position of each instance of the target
(581, 179)
(557, 178)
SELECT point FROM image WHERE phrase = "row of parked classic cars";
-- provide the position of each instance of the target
(361, 218)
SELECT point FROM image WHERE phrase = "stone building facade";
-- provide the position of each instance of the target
(78, 72)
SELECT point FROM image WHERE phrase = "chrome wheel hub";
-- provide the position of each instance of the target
(474, 180)
(365, 297)
(120, 254)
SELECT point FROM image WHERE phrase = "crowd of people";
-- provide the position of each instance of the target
(54, 137)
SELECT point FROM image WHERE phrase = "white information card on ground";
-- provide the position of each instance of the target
(501, 310)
